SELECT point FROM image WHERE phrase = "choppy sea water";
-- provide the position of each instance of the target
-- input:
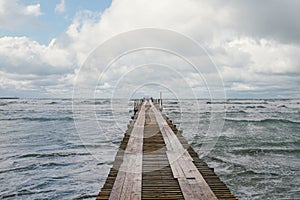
(44, 157)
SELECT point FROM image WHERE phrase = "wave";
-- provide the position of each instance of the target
(253, 151)
(12, 102)
(253, 107)
(25, 192)
(234, 111)
(104, 112)
(95, 102)
(236, 102)
(229, 162)
(173, 102)
(175, 112)
(39, 119)
(52, 103)
(53, 164)
(18, 169)
(97, 146)
(260, 107)
(252, 173)
(282, 106)
(33, 167)
(85, 196)
(244, 169)
(47, 155)
(263, 120)
(103, 102)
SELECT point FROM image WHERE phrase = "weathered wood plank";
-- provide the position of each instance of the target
(128, 182)
(183, 163)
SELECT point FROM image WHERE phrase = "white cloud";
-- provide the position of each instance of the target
(249, 56)
(14, 15)
(33, 10)
(242, 87)
(22, 55)
(60, 8)
(268, 56)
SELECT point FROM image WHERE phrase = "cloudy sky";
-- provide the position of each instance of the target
(255, 45)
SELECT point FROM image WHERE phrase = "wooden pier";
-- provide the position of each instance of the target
(155, 161)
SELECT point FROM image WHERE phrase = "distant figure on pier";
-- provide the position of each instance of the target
(136, 104)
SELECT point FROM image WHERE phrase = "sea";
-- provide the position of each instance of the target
(64, 148)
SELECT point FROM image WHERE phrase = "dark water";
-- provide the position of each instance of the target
(258, 150)
(45, 156)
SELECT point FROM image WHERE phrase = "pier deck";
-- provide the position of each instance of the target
(155, 161)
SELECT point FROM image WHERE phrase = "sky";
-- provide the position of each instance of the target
(49, 48)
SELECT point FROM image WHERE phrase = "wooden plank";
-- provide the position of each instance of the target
(177, 171)
(127, 186)
(196, 189)
(128, 182)
(183, 163)
(186, 189)
(137, 181)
